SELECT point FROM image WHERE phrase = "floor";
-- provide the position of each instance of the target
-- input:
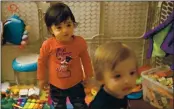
(140, 104)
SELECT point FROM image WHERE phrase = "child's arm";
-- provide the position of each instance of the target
(86, 62)
(42, 65)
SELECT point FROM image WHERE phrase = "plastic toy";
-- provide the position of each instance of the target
(90, 96)
(23, 93)
(45, 96)
(5, 90)
(15, 105)
(88, 99)
(5, 86)
(23, 102)
(34, 92)
(15, 31)
(15, 93)
(25, 64)
(137, 88)
(11, 100)
(25, 36)
(163, 77)
(137, 91)
(93, 92)
(34, 103)
(46, 106)
(29, 67)
(135, 95)
(91, 88)
(6, 103)
(156, 89)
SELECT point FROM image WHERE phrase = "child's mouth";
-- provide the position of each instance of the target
(66, 35)
(126, 88)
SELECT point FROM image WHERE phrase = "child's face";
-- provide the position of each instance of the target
(63, 31)
(122, 80)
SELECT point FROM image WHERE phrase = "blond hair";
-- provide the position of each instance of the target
(108, 55)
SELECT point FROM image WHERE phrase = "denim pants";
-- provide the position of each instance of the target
(76, 96)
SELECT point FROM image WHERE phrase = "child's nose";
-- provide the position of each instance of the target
(130, 81)
(65, 30)
(126, 81)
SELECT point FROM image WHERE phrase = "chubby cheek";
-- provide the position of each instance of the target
(72, 32)
(114, 85)
(136, 77)
(133, 81)
(57, 34)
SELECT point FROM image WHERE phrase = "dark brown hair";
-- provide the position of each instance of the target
(58, 13)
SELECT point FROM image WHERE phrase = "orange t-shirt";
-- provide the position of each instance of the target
(64, 61)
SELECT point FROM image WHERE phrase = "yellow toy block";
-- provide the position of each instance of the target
(36, 106)
(44, 95)
(33, 100)
(26, 106)
(31, 106)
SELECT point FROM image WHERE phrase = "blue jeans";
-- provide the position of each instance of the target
(76, 96)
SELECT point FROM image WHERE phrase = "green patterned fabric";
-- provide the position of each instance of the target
(158, 39)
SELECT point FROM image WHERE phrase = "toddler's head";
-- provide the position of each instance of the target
(60, 21)
(115, 66)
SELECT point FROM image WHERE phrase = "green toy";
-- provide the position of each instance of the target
(46, 106)
(139, 80)
(6, 103)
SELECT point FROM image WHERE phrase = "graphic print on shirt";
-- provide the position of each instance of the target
(64, 60)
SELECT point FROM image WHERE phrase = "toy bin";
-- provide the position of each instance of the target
(156, 93)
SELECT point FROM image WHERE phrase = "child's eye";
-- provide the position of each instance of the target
(132, 73)
(69, 25)
(59, 27)
(117, 76)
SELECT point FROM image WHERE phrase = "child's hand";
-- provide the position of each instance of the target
(42, 84)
